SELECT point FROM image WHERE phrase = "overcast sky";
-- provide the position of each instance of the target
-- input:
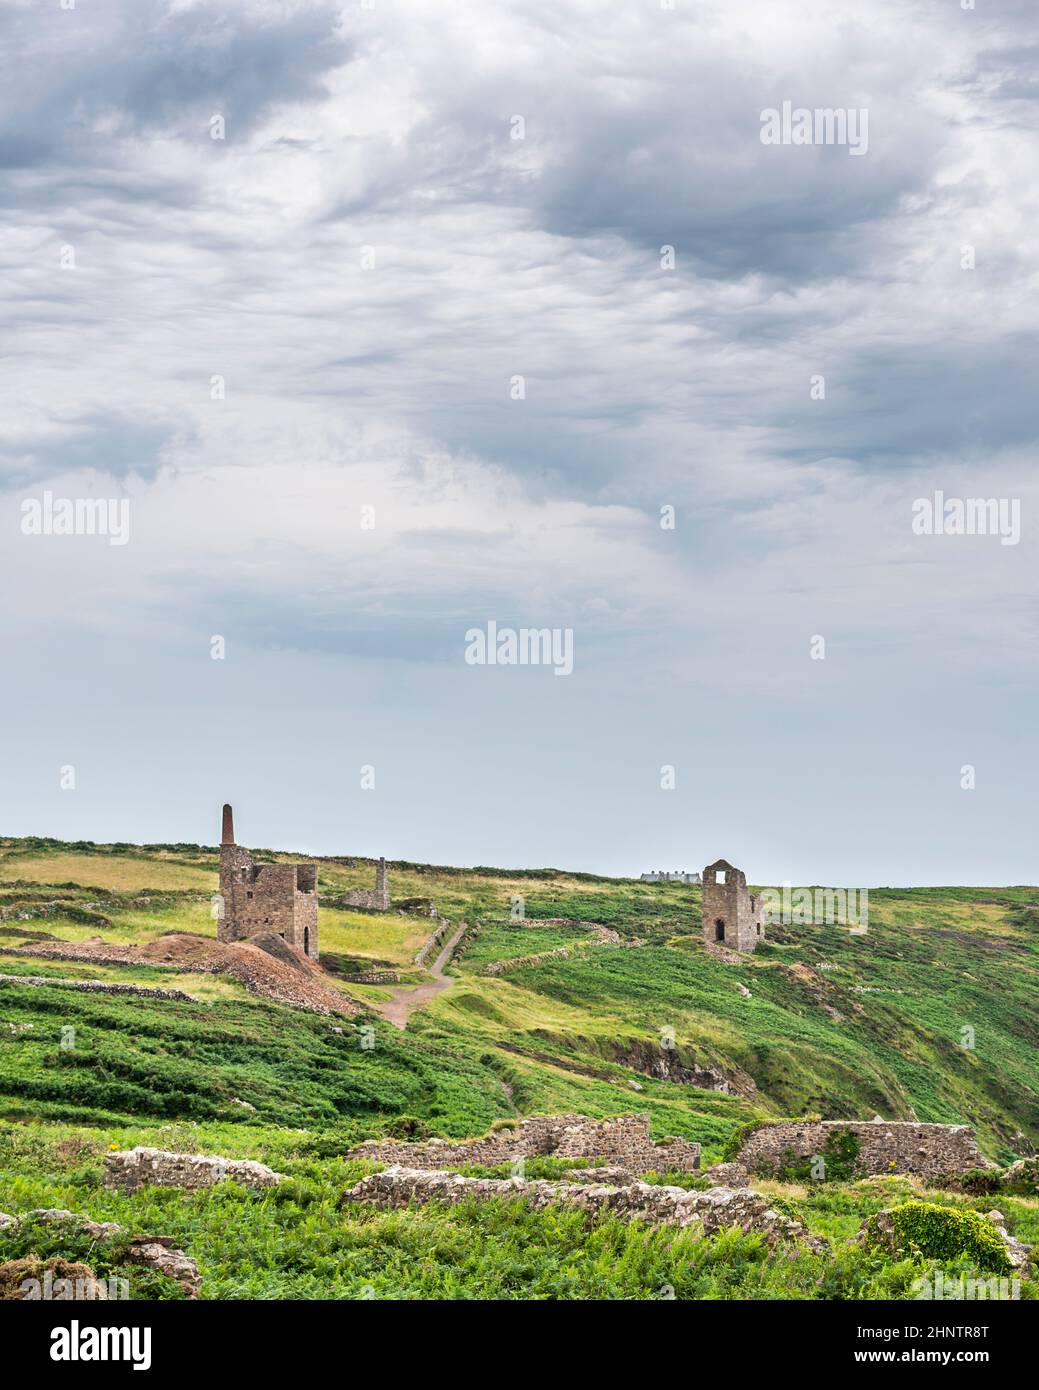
(367, 260)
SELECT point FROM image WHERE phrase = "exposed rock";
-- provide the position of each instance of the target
(98, 987)
(418, 907)
(1018, 1252)
(716, 1210)
(160, 1253)
(133, 1168)
(673, 1064)
(153, 1252)
(618, 1177)
(302, 987)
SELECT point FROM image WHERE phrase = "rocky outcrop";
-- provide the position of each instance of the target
(152, 1252)
(884, 1146)
(418, 907)
(719, 1209)
(131, 1169)
(674, 1064)
(623, 1141)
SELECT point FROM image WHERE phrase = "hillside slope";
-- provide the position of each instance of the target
(600, 999)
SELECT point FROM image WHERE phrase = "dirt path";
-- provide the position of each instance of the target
(403, 1002)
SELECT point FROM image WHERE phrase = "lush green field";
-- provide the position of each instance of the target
(930, 1013)
(296, 1241)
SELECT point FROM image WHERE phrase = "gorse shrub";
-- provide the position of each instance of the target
(938, 1233)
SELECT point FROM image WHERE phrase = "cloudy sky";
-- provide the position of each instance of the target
(273, 270)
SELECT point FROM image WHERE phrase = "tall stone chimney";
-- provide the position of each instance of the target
(227, 833)
(382, 891)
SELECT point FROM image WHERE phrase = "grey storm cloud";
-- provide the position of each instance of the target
(99, 441)
(153, 67)
(370, 372)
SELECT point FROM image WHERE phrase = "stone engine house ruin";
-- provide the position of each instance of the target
(377, 900)
(265, 899)
(731, 916)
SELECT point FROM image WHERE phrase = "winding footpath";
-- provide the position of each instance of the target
(403, 1002)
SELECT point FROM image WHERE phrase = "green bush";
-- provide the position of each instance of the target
(938, 1233)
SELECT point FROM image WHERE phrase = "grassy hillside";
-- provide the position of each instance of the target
(930, 1014)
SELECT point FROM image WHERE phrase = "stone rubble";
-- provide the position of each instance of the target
(152, 1252)
(623, 1141)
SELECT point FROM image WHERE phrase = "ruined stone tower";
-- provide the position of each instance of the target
(372, 900)
(731, 916)
(265, 899)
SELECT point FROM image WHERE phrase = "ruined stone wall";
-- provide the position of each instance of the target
(623, 1141)
(100, 987)
(885, 1146)
(375, 899)
(717, 1210)
(133, 1168)
(435, 939)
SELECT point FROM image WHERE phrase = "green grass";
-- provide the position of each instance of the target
(931, 1014)
(297, 1242)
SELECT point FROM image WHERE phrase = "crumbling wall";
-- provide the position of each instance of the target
(885, 1146)
(623, 1141)
(99, 987)
(716, 1210)
(130, 1169)
(370, 900)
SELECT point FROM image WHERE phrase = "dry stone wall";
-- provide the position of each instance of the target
(130, 1169)
(718, 1209)
(885, 1146)
(99, 987)
(623, 1141)
(432, 943)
